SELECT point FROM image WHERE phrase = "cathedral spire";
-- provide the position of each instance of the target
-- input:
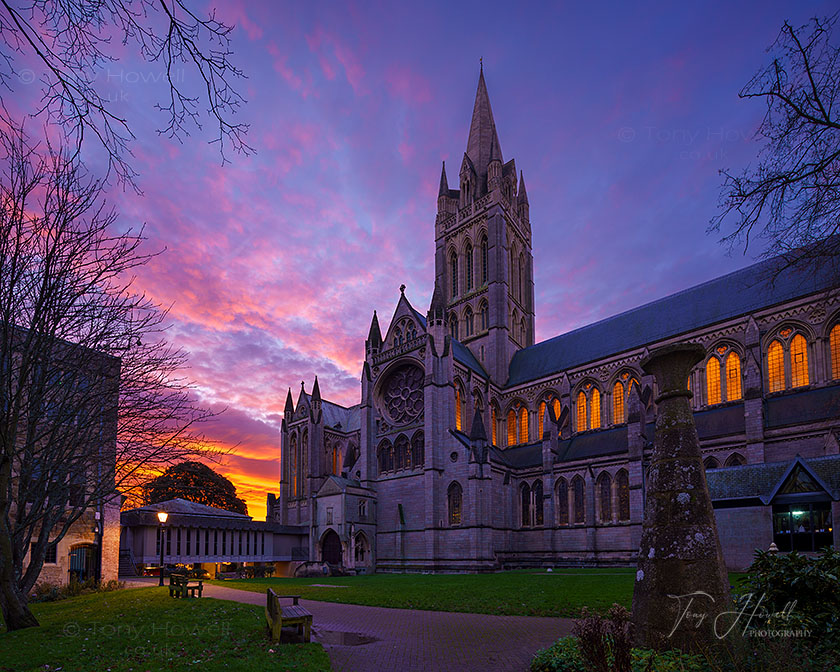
(290, 404)
(482, 141)
(444, 185)
(316, 391)
(438, 304)
(523, 195)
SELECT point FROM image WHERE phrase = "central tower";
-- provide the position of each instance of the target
(484, 267)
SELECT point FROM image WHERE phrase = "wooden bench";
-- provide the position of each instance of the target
(277, 616)
(181, 586)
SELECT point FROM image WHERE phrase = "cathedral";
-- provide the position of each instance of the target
(473, 448)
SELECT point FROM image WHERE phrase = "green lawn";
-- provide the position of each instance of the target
(528, 593)
(559, 593)
(141, 629)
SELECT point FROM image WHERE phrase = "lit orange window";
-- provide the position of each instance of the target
(776, 366)
(511, 428)
(713, 381)
(581, 412)
(595, 417)
(540, 419)
(618, 403)
(834, 347)
(556, 407)
(733, 377)
(799, 361)
(493, 421)
(523, 425)
(457, 408)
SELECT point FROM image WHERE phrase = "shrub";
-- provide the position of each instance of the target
(796, 592)
(51, 592)
(565, 656)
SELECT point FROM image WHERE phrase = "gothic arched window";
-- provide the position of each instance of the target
(713, 381)
(494, 425)
(484, 260)
(511, 428)
(557, 409)
(484, 322)
(735, 460)
(523, 425)
(733, 377)
(453, 325)
(537, 492)
(577, 493)
(525, 499)
(581, 412)
(562, 502)
(385, 454)
(711, 463)
(595, 411)
(604, 484)
(468, 255)
(521, 283)
(293, 465)
(453, 273)
(402, 452)
(469, 322)
(540, 417)
(834, 350)
(776, 367)
(787, 361)
(454, 499)
(618, 403)
(458, 399)
(799, 361)
(523, 332)
(418, 449)
(622, 486)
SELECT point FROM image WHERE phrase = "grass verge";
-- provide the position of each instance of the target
(142, 629)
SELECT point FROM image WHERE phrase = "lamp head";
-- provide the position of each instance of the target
(162, 516)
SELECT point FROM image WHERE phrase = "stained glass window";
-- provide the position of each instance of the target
(799, 361)
(713, 381)
(605, 497)
(537, 491)
(834, 346)
(540, 415)
(454, 497)
(494, 426)
(525, 499)
(523, 425)
(581, 412)
(484, 260)
(511, 428)
(733, 377)
(468, 253)
(618, 403)
(577, 488)
(776, 366)
(595, 415)
(453, 274)
(457, 407)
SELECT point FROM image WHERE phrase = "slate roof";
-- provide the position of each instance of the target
(184, 507)
(334, 414)
(809, 406)
(464, 355)
(759, 481)
(594, 444)
(727, 297)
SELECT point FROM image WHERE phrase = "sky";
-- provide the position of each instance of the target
(619, 114)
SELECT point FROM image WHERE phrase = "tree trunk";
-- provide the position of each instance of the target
(16, 614)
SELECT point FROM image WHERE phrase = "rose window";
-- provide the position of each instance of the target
(403, 394)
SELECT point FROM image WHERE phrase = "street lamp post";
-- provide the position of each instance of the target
(162, 516)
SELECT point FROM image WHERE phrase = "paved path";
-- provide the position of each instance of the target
(420, 641)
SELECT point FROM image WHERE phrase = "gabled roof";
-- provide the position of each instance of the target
(761, 482)
(464, 355)
(335, 414)
(185, 507)
(724, 298)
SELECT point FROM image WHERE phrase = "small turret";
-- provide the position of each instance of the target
(522, 200)
(478, 439)
(436, 318)
(494, 167)
(315, 409)
(289, 410)
(373, 344)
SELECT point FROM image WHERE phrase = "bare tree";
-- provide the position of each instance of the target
(92, 401)
(792, 197)
(70, 42)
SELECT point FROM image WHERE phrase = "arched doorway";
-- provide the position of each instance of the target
(83, 562)
(362, 550)
(331, 548)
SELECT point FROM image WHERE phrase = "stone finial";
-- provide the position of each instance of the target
(402, 289)
(680, 552)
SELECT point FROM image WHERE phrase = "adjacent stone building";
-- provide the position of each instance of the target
(473, 448)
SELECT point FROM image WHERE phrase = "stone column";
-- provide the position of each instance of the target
(681, 582)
